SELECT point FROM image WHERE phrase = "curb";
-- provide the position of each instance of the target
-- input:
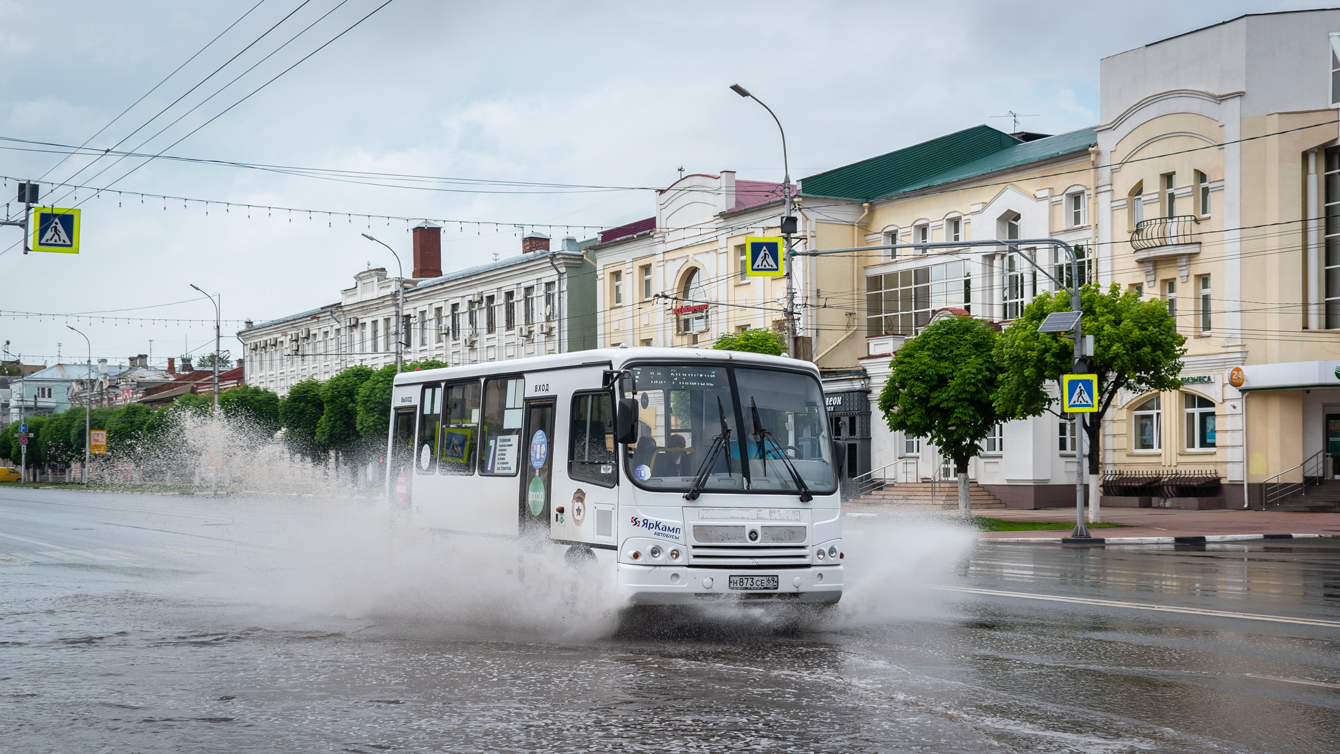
(1189, 540)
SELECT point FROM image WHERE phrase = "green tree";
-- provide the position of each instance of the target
(941, 389)
(300, 413)
(207, 361)
(753, 341)
(373, 401)
(163, 425)
(255, 405)
(57, 437)
(1136, 346)
(9, 443)
(126, 427)
(338, 427)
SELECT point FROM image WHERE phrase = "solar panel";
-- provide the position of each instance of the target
(1060, 322)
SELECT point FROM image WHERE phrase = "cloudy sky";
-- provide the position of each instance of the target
(605, 98)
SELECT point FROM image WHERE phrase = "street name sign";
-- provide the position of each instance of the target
(55, 229)
(764, 255)
(1079, 393)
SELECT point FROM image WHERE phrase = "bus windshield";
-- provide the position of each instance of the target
(769, 425)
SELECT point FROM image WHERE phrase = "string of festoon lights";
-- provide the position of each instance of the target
(271, 211)
(97, 319)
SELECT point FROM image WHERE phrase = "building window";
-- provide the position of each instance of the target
(1083, 265)
(921, 234)
(423, 330)
(509, 310)
(1199, 422)
(374, 334)
(954, 229)
(362, 338)
(616, 283)
(550, 301)
(1136, 201)
(1202, 194)
(528, 304)
(1169, 194)
(1332, 260)
(1138, 289)
(490, 314)
(1075, 203)
(455, 321)
(911, 445)
(1146, 419)
(1205, 321)
(472, 318)
(646, 342)
(44, 392)
(891, 239)
(1065, 440)
(995, 442)
(901, 302)
(437, 324)
(742, 263)
(646, 282)
(694, 320)
(1170, 297)
(1013, 288)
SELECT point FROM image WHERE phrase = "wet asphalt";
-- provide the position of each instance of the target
(133, 623)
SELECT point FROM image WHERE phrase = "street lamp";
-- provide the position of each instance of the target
(400, 303)
(88, 401)
(217, 323)
(788, 225)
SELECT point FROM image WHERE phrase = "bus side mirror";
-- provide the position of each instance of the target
(625, 421)
(607, 378)
(840, 459)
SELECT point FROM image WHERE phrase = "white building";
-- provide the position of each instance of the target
(538, 302)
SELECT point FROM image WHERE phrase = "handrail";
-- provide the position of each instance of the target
(867, 482)
(1274, 490)
(1165, 231)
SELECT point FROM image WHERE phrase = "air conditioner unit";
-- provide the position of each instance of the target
(471, 340)
(546, 327)
(351, 322)
(526, 331)
(306, 332)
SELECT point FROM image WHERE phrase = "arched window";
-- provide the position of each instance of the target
(1135, 202)
(1145, 419)
(694, 290)
(1199, 422)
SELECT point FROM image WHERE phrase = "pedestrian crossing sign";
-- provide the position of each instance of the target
(1080, 393)
(55, 229)
(764, 254)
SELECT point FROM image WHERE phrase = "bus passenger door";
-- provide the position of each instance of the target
(537, 475)
(400, 470)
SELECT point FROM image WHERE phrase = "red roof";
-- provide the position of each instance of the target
(754, 193)
(630, 229)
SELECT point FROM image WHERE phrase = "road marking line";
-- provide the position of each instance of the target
(58, 555)
(1322, 684)
(1143, 606)
(29, 541)
(119, 555)
(12, 559)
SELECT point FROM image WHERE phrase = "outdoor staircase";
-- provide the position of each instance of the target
(1316, 498)
(928, 497)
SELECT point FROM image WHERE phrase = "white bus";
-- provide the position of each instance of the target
(686, 474)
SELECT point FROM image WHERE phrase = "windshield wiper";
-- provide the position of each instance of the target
(761, 436)
(705, 468)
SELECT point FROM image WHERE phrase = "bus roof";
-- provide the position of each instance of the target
(610, 358)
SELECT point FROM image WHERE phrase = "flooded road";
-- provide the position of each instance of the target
(168, 624)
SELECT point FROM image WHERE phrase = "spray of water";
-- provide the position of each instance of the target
(330, 545)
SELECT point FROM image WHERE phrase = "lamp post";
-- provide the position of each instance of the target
(88, 401)
(400, 303)
(217, 356)
(788, 226)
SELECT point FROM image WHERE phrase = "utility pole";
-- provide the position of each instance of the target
(88, 402)
(217, 325)
(788, 228)
(399, 307)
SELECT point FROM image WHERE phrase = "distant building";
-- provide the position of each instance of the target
(47, 391)
(538, 302)
(117, 386)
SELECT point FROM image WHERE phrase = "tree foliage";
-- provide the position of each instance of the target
(255, 405)
(299, 413)
(373, 401)
(207, 361)
(338, 426)
(1136, 345)
(942, 386)
(753, 341)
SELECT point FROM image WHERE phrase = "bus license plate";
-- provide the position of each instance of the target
(750, 583)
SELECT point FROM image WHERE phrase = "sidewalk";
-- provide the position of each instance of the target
(1164, 523)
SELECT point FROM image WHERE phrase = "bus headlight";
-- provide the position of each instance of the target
(819, 554)
(655, 552)
(832, 552)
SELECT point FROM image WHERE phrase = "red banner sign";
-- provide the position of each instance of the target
(691, 309)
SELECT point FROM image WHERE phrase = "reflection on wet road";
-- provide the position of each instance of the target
(165, 624)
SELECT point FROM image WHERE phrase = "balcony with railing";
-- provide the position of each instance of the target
(1166, 238)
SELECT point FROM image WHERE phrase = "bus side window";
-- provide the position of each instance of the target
(425, 456)
(500, 433)
(591, 451)
(460, 423)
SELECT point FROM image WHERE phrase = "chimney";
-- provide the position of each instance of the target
(570, 245)
(186, 364)
(238, 363)
(172, 365)
(534, 241)
(728, 201)
(427, 251)
(140, 360)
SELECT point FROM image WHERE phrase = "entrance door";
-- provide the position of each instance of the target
(533, 511)
(1333, 443)
(401, 468)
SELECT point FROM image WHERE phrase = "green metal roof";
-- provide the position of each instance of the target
(976, 151)
(891, 173)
